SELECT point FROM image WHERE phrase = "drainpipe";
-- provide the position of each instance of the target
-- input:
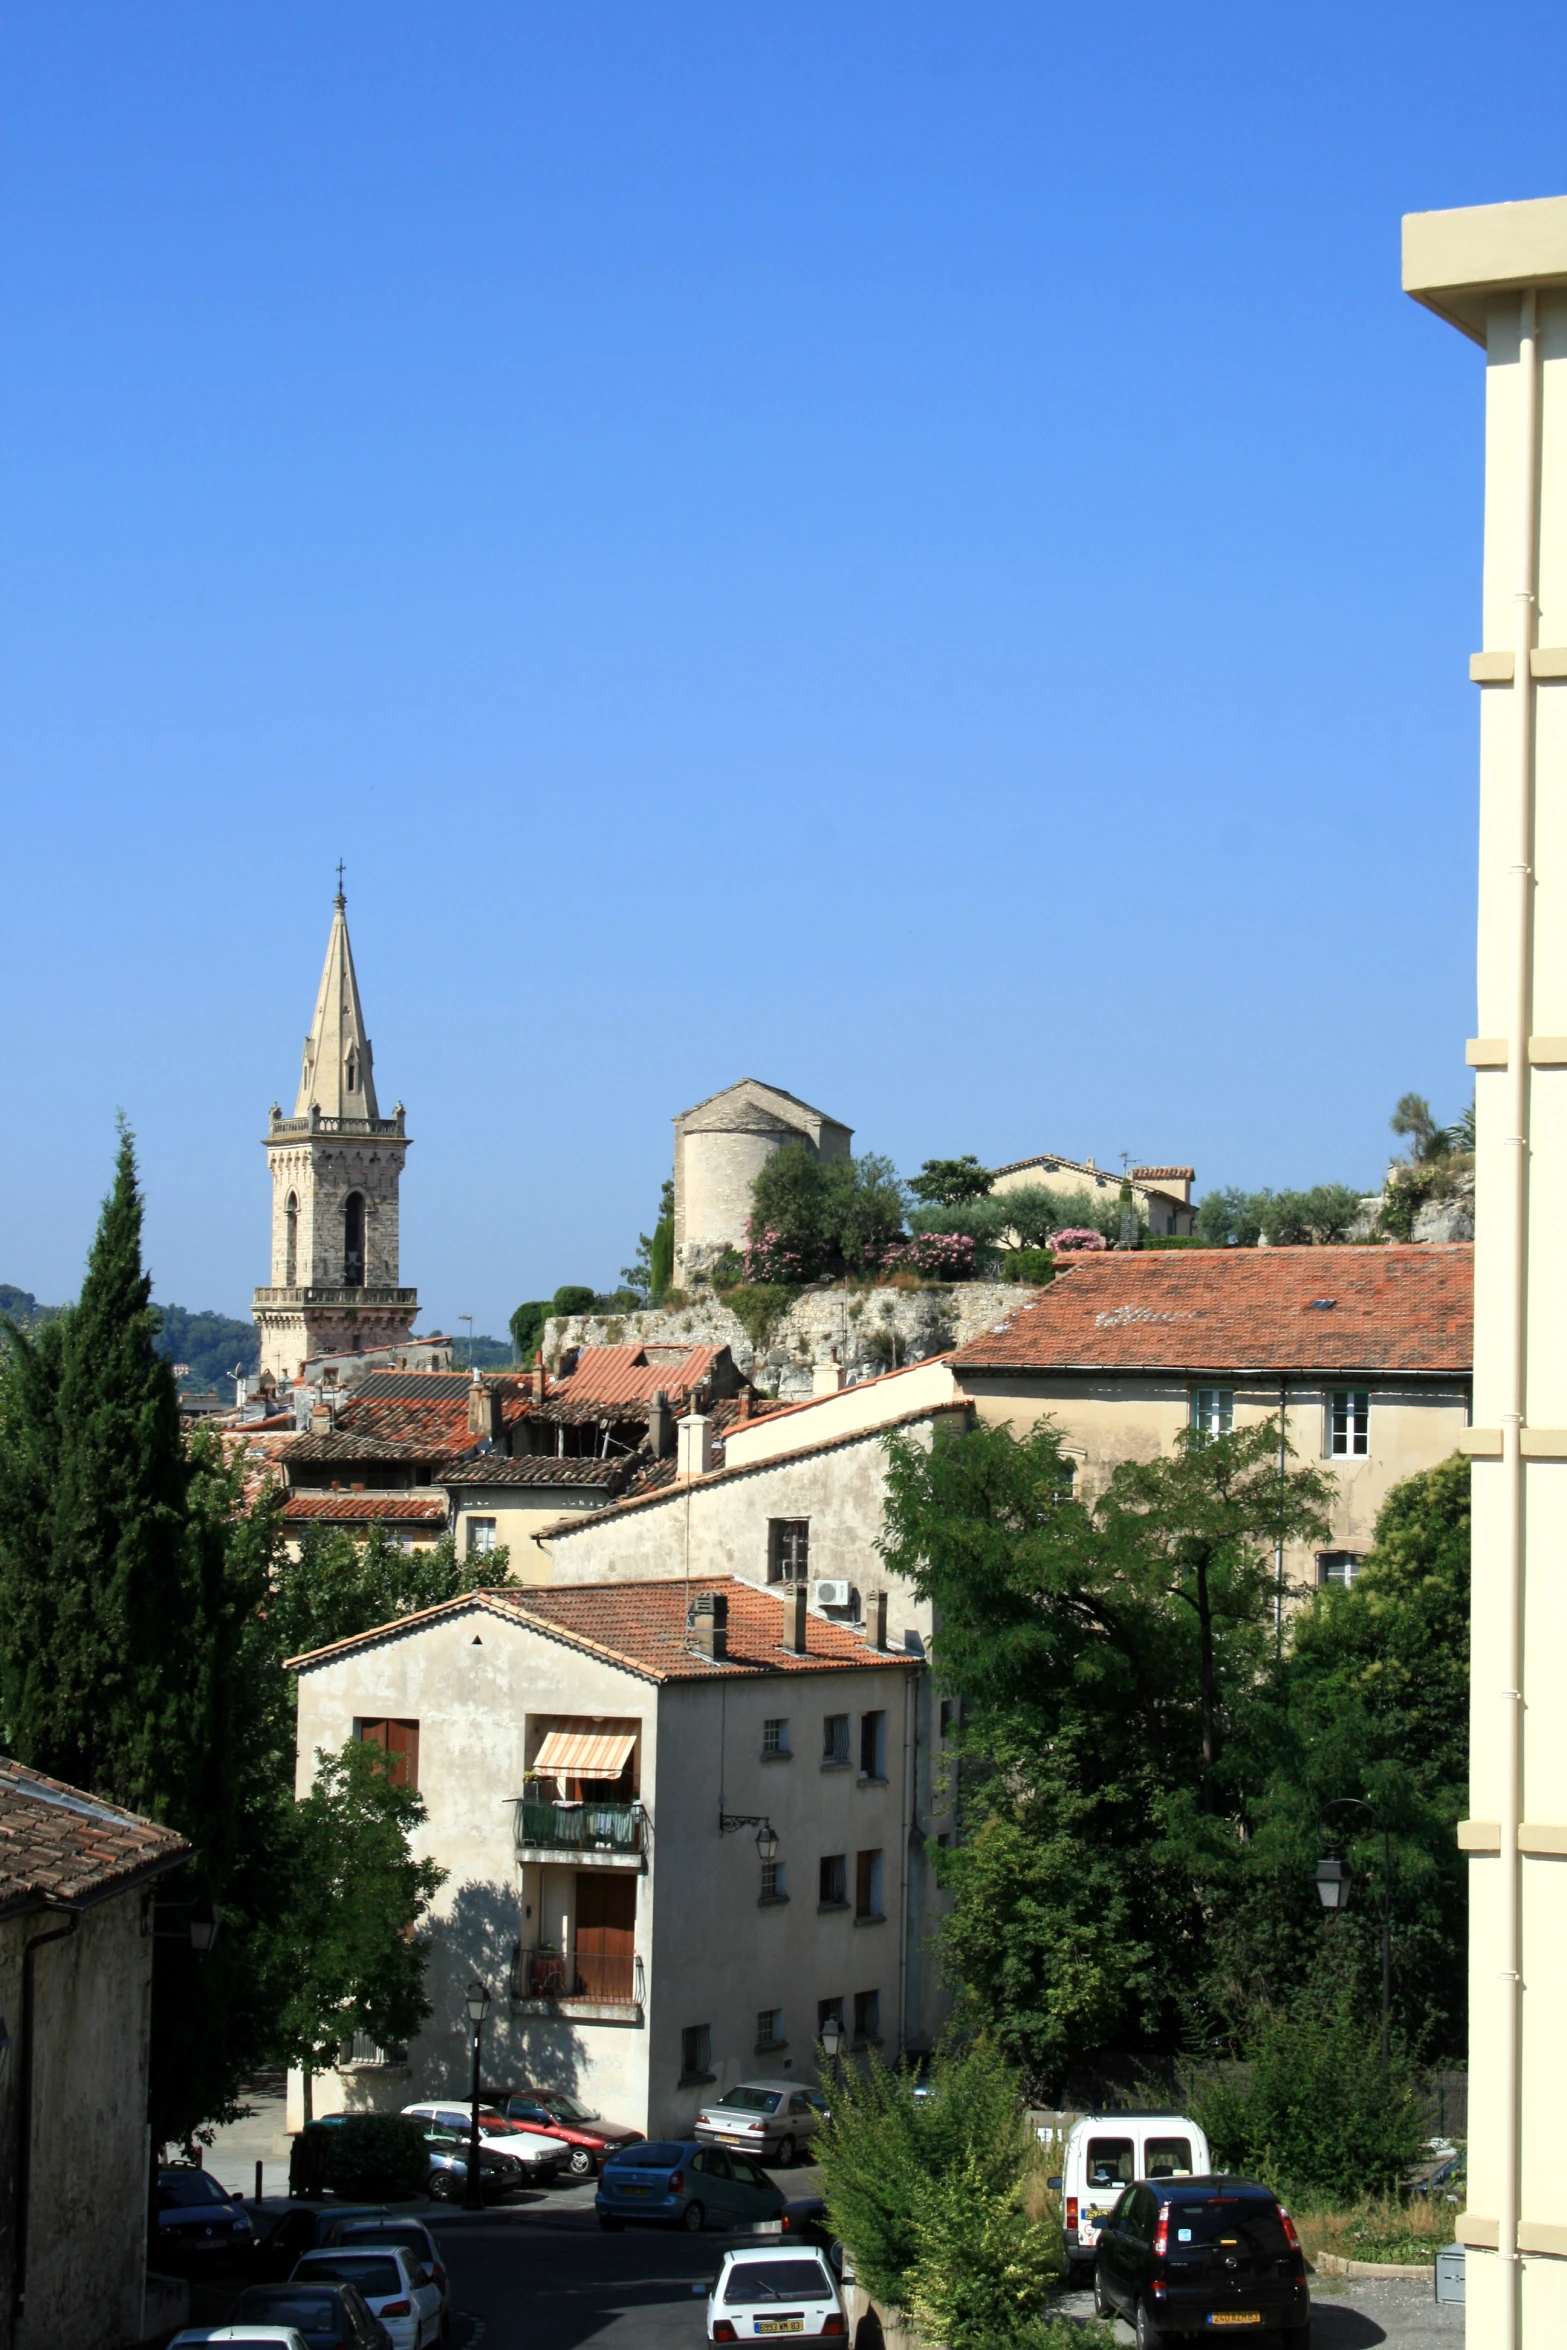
(907, 1829)
(24, 2110)
(1516, 1140)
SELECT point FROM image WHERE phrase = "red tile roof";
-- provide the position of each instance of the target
(429, 1508)
(622, 1374)
(1183, 1174)
(1407, 1310)
(642, 1626)
(64, 1847)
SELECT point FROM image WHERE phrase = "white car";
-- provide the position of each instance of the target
(543, 2158)
(397, 2288)
(765, 2291)
(259, 2337)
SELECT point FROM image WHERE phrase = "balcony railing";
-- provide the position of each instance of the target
(613, 1978)
(579, 1827)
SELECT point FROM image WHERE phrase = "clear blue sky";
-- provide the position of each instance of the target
(915, 552)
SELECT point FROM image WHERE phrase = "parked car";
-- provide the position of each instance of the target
(201, 2226)
(397, 2288)
(772, 2291)
(1183, 2256)
(355, 2230)
(330, 2317)
(448, 2176)
(588, 2136)
(282, 2239)
(682, 2183)
(542, 2158)
(804, 2220)
(259, 2337)
(1106, 2152)
(773, 2119)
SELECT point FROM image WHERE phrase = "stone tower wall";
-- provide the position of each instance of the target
(321, 1174)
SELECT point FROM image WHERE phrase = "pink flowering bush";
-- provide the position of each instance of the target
(937, 1256)
(1079, 1236)
(770, 1257)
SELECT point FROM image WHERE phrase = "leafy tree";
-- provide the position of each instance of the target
(527, 1328)
(948, 1183)
(347, 1940)
(1114, 1657)
(828, 1213)
(211, 1345)
(1231, 1218)
(1463, 1132)
(864, 1203)
(340, 1586)
(1292, 1219)
(1412, 1122)
(986, 1222)
(651, 1271)
(573, 1298)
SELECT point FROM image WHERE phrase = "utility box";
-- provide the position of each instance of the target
(1450, 2273)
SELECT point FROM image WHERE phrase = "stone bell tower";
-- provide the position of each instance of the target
(335, 1168)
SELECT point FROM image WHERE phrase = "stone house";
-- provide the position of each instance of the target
(721, 1146)
(1164, 1194)
(597, 1763)
(77, 1884)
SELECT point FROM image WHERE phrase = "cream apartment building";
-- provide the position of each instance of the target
(597, 1764)
(1498, 273)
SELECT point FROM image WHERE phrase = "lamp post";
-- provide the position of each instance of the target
(766, 1833)
(478, 2003)
(1335, 1881)
(832, 2041)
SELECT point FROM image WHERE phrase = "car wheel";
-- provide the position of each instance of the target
(610, 2225)
(581, 2163)
(1148, 2334)
(442, 2186)
(1103, 2305)
(693, 2219)
(785, 2155)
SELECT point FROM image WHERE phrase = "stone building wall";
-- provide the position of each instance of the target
(321, 1174)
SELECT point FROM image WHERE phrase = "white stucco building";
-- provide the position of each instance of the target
(580, 1751)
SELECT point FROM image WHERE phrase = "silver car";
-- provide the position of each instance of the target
(770, 2119)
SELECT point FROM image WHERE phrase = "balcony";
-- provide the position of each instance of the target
(591, 1985)
(590, 1835)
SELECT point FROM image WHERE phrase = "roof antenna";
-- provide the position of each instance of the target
(340, 898)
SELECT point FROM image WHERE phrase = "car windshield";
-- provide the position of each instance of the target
(777, 2280)
(1250, 2222)
(751, 2100)
(291, 2305)
(182, 2190)
(408, 2233)
(375, 2278)
(655, 2157)
(568, 2108)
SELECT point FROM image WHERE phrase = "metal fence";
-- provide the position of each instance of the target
(580, 1827)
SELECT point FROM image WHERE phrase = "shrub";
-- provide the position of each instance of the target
(772, 1258)
(1296, 1219)
(1318, 2117)
(759, 1307)
(823, 1214)
(1175, 1240)
(1034, 1265)
(373, 2155)
(984, 1221)
(1077, 1236)
(938, 1256)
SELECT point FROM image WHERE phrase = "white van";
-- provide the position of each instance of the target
(1105, 2152)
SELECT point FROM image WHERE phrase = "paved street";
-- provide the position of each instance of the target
(1356, 2316)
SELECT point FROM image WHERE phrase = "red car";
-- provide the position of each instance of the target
(558, 2115)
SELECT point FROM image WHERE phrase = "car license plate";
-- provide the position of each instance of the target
(780, 2325)
(1235, 2317)
(730, 2138)
(634, 2190)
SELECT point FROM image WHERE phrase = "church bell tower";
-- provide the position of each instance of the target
(336, 1164)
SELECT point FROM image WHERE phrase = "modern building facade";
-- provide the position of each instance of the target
(1499, 274)
(336, 1165)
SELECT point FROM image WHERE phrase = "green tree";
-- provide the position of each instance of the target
(949, 1183)
(527, 1328)
(831, 1214)
(864, 1205)
(347, 1942)
(651, 1270)
(573, 1298)
(1413, 1123)
(340, 1585)
(1295, 1219)
(1232, 1218)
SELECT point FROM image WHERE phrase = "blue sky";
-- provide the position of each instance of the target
(914, 552)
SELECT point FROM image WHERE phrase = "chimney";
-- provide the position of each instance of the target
(660, 1426)
(742, 1407)
(827, 1378)
(536, 1376)
(794, 1618)
(696, 1445)
(710, 1625)
(876, 1620)
(484, 1409)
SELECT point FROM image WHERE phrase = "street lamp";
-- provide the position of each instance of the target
(831, 2036)
(478, 2005)
(1335, 1880)
(766, 1834)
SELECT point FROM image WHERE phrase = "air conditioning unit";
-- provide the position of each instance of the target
(835, 1594)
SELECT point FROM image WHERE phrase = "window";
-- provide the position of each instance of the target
(770, 2029)
(1110, 2162)
(1349, 1423)
(1167, 2158)
(696, 2052)
(775, 1739)
(867, 2017)
(291, 1242)
(400, 1742)
(788, 1549)
(834, 1880)
(354, 1241)
(835, 1739)
(351, 1071)
(1337, 1566)
(481, 1537)
(1213, 1410)
(867, 1885)
(873, 1746)
(775, 1881)
(828, 2011)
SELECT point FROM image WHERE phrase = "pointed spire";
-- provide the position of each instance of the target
(336, 1077)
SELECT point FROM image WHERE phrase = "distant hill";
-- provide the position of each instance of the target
(208, 1345)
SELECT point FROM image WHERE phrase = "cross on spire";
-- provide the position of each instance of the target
(340, 898)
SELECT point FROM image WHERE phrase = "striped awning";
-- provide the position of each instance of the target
(583, 1754)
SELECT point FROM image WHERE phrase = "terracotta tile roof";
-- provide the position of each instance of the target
(347, 1444)
(1346, 1309)
(496, 1469)
(607, 1375)
(642, 1626)
(373, 1508)
(1167, 1174)
(60, 1846)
